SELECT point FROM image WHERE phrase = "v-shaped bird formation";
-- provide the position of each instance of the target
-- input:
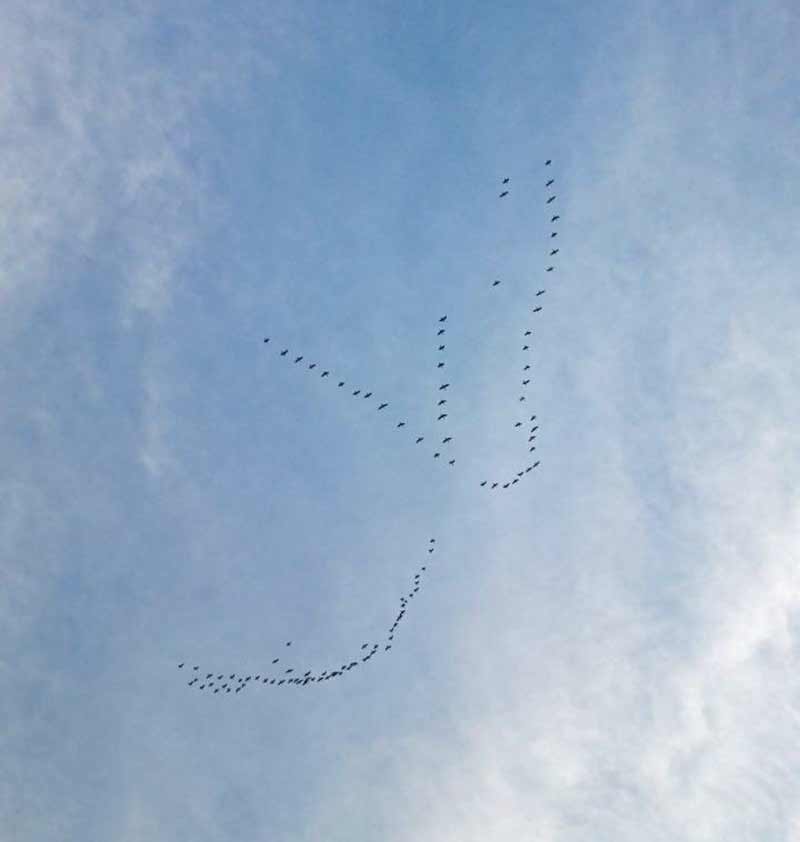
(435, 436)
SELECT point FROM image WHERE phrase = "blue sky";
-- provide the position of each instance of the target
(608, 650)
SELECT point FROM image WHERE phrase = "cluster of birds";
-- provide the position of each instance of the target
(221, 682)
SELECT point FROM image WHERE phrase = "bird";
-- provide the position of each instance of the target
(534, 429)
(536, 309)
(531, 438)
(527, 470)
(297, 359)
(525, 382)
(325, 374)
(554, 251)
(522, 398)
(504, 193)
(313, 365)
(548, 162)
(549, 269)
(495, 484)
(276, 660)
(288, 642)
(528, 332)
(553, 234)
(443, 415)
(284, 352)
(401, 424)
(531, 449)
(452, 462)
(533, 418)
(443, 386)
(440, 332)
(484, 483)
(541, 292)
(180, 666)
(506, 484)
(266, 339)
(368, 395)
(365, 646)
(447, 439)
(436, 455)
(549, 182)
(515, 481)
(555, 218)
(443, 319)
(441, 347)
(340, 384)
(383, 406)
(526, 347)
(526, 368)
(195, 667)
(419, 439)
(442, 402)
(505, 181)
(496, 283)
(535, 464)
(518, 424)
(357, 392)
(440, 365)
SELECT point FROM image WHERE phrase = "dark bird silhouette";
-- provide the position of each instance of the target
(484, 483)
(535, 464)
(534, 429)
(495, 484)
(325, 374)
(357, 392)
(526, 347)
(505, 181)
(515, 481)
(297, 359)
(526, 368)
(383, 406)
(541, 292)
(536, 309)
(504, 193)
(518, 424)
(440, 365)
(532, 418)
(340, 384)
(443, 319)
(284, 352)
(452, 462)
(531, 438)
(368, 395)
(549, 182)
(528, 332)
(496, 283)
(525, 382)
(551, 199)
(506, 484)
(528, 469)
(312, 366)
(443, 386)
(421, 438)
(436, 455)
(180, 666)
(554, 251)
(441, 331)
(441, 347)
(522, 398)
(267, 339)
(276, 660)
(442, 402)
(548, 162)
(447, 439)
(195, 667)
(288, 642)
(549, 269)
(401, 424)
(555, 218)
(443, 415)
(531, 449)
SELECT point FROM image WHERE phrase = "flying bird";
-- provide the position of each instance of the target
(436, 455)
(442, 402)
(553, 234)
(441, 347)
(443, 386)
(531, 449)
(505, 181)
(548, 162)
(447, 439)
(267, 339)
(536, 309)
(554, 251)
(495, 484)
(401, 424)
(341, 383)
(504, 193)
(551, 199)
(549, 269)
(443, 415)
(555, 218)
(421, 438)
(496, 284)
(180, 666)
(313, 365)
(452, 462)
(528, 332)
(368, 395)
(383, 406)
(484, 483)
(443, 319)
(526, 347)
(357, 392)
(325, 374)
(525, 382)
(526, 368)
(522, 397)
(440, 365)
(297, 360)
(549, 182)
(541, 292)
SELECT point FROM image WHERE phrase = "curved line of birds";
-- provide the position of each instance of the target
(221, 681)
(442, 413)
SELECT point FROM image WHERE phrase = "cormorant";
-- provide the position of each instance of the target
(443, 415)
(554, 251)
(284, 352)
(504, 193)
(549, 182)
(383, 406)
(551, 199)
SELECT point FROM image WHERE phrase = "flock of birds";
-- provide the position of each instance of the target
(220, 682)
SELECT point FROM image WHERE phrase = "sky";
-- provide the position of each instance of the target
(605, 651)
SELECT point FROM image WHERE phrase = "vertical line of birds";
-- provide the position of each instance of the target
(441, 404)
(220, 681)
